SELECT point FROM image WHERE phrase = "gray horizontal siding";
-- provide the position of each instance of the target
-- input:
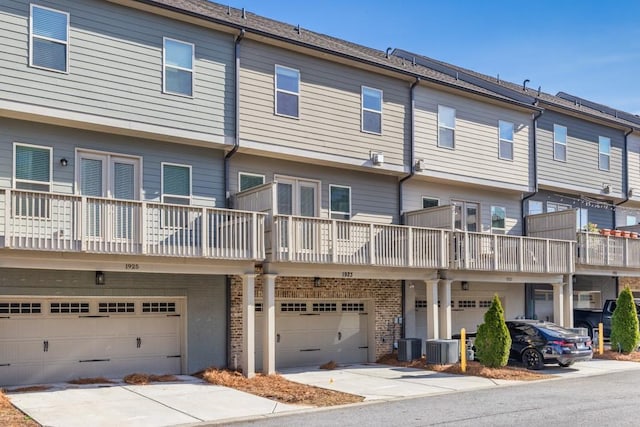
(633, 165)
(330, 121)
(115, 67)
(476, 139)
(374, 198)
(207, 168)
(581, 168)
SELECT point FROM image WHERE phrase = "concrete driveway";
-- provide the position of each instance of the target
(160, 404)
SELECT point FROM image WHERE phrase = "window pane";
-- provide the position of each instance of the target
(178, 54)
(91, 177)
(498, 216)
(560, 134)
(446, 116)
(176, 180)
(535, 207)
(429, 203)
(604, 145)
(631, 220)
(506, 131)
(287, 104)
(124, 181)
(340, 199)
(285, 199)
(49, 23)
(506, 150)
(307, 201)
(249, 181)
(445, 138)
(604, 162)
(560, 152)
(32, 163)
(287, 79)
(372, 121)
(178, 81)
(371, 99)
(472, 217)
(49, 54)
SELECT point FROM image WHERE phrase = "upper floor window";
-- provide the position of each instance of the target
(49, 41)
(176, 184)
(559, 143)
(340, 201)
(535, 207)
(371, 110)
(505, 148)
(604, 153)
(249, 180)
(287, 91)
(446, 127)
(32, 167)
(178, 67)
(557, 207)
(430, 202)
(498, 220)
(632, 220)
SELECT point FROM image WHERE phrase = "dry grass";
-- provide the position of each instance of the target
(614, 355)
(30, 388)
(473, 368)
(10, 416)
(83, 381)
(280, 389)
(144, 379)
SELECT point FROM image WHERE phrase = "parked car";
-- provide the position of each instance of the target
(589, 318)
(537, 343)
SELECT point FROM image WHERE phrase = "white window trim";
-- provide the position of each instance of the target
(566, 133)
(557, 204)
(276, 90)
(192, 70)
(31, 36)
(363, 109)
(463, 204)
(177, 196)
(298, 180)
(240, 174)
(110, 154)
(535, 201)
(504, 230)
(339, 212)
(42, 147)
(600, 153)
(447, 127)
(501, 140)
(437, 199)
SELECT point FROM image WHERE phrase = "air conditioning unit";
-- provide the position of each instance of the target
(606, 188)
(409, 349)
(443, 352)
(421, 165)
(377, 159)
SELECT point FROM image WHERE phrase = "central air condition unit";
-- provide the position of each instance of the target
(442, 352)
(409, 349)
(377, 159)
(421, 165)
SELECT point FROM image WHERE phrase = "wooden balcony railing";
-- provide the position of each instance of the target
(595, 249)
(55, 222)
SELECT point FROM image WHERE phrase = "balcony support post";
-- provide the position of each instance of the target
(558, 303)
(444, 292)
(269, 324)
(433, 330)
(248, 325)
(568, 300)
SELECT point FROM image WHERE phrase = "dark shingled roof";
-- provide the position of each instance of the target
(294, 34)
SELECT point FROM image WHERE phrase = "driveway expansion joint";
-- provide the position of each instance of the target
(162, 404)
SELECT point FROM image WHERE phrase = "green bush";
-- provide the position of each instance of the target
(492, 340)
(625, 336)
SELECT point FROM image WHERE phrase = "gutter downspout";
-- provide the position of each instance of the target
(625, 175)
(534, 167)
(236, 142)
(412, 172)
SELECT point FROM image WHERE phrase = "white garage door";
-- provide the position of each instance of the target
(49, 340)
(467, 311)
(314, 332)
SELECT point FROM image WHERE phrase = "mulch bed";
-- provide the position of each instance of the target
(614, 355)
(144, 379)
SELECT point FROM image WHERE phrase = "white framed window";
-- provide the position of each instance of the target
(371, 110)
(340, 201)
(559, 143)
(632, 220)
(177, 64)
(430, 202)
(557, 207)
(604, 153)
(49, 39)
(249, 180)
(446, 127)
(287, 92)
(32, 167)
(498, 220)
(176, 183)
(535, 207)
(505, 143)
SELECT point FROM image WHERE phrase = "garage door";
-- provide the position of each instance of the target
(314, 332)
(49, 340)
(467, 311)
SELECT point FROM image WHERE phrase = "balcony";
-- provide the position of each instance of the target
(67, 223)
(597, 250)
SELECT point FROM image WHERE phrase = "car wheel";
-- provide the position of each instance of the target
(532, 359)
(566, 365)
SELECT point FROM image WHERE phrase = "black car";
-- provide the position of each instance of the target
(537, 343)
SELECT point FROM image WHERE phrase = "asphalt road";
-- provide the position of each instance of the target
(606, 400)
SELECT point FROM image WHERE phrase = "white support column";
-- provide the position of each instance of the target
(433, 331)
(568, 301)
(409, 309)
(558, 304)
(269, 325)
(248, 325)
(444, 291)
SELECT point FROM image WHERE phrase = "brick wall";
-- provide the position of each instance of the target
(384, 298)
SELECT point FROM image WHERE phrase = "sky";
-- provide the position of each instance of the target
(587, 48)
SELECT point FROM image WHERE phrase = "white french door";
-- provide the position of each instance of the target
(298, 197)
